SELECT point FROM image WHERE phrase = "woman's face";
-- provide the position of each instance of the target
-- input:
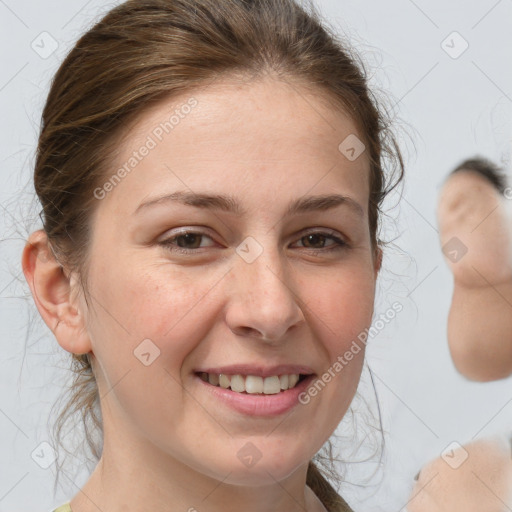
(245, 266)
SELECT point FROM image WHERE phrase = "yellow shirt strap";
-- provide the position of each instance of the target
(63, 508)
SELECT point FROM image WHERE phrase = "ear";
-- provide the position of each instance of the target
(378, 255)
(51, 290)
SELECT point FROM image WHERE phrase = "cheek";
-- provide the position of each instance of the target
(340, 310)
(343, 305)
(148, 316)
(163, 304)
(168, 308)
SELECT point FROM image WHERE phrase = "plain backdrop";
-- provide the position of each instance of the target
(445, 69)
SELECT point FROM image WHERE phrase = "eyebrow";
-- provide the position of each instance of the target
(229, 204)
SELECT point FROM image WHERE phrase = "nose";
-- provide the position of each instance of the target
(263, 302)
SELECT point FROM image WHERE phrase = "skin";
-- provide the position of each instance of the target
(482, 483)
(471, 209)
(167, 444)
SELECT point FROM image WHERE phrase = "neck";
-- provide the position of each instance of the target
(142, 478)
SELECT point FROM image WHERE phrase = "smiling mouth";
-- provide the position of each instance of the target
(253, 384)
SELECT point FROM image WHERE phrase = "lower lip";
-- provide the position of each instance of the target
(259, 405)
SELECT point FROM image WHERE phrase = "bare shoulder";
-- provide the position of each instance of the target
(474, 477)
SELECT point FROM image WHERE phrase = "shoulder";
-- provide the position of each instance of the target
(469, 478)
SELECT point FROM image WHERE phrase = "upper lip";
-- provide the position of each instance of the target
(259, 371)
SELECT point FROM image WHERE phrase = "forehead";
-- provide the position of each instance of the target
(268, 134)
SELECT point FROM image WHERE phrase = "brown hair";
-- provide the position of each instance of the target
(144, 50)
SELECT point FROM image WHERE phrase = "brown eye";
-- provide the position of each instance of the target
(314, 240)
(319, 240)
(186, 242)
(189, 240)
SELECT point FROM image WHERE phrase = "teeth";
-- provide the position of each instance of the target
(213, 378)
(271, 385)
(237, 383)
(293, 379)
(251, 383)
(223, 381)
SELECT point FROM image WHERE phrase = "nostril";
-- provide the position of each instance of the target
(244, 331)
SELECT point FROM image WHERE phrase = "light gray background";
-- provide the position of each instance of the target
(446, 109)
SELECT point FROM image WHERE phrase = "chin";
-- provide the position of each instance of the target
(256, 473)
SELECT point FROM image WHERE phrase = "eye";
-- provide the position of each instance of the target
(188, 242)
(318, 239)
(185, 242)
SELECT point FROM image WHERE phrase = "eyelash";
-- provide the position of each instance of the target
(169, 245)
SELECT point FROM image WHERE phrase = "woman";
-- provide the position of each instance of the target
(211, 179)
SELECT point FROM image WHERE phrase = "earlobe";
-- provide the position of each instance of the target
(51, 290)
